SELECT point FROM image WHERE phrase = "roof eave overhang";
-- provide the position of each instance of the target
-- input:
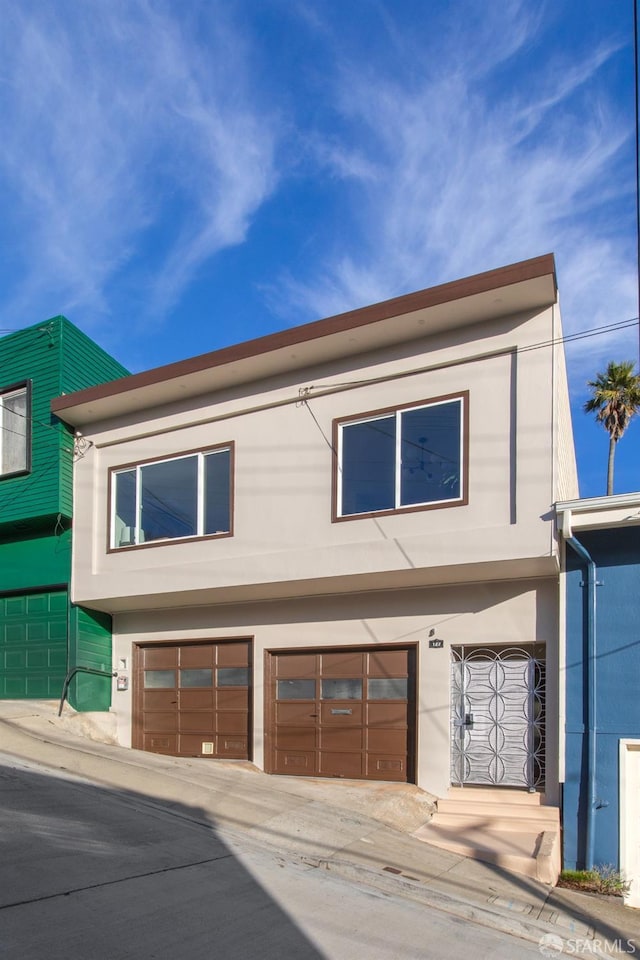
(506, 291)
(598, 513)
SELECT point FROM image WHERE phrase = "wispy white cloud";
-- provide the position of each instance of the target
(452, 171)
(130, 136)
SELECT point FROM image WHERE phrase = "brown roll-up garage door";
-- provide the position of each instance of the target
(342, 713)
(193, 699)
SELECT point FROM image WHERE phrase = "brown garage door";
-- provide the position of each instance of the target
(346, 713)
(193, 699)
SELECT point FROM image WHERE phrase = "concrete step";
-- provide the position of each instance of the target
(499, 821)
(496, 795)
(516, 811)
(511, 828)
(535, 855)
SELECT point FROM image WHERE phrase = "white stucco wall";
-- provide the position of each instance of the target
(476, 614)
(283, 532)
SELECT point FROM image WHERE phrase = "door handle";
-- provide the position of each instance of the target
(468, 720)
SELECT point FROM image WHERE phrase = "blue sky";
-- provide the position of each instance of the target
(178, 176)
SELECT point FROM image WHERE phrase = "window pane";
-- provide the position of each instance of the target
(125, 508)
(14, 430)
(196, 678)
(296, 689)
(342, 689)
(159, 679)
(233, 677)
(388, 688)
(217, 491)
(430, 451)
(170, 499)
(368, 466)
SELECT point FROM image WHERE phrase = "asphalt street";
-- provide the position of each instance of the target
(100, 874)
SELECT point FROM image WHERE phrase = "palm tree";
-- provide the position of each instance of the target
(615, 399)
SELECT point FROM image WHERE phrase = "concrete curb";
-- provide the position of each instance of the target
(413, 889)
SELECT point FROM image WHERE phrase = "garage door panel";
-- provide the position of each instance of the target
(159, 723)
(197, 656)
(388, 663)
(234, 748)
(386, 768)
(161, 744)
(297, 665)
(159, 700)
(232, 723)
(233, 699)
(295, 762)
(191, 744)
(342, 739)
(387, 741)
(201, 710)
(387, 714)
(296, 740)
(15, 660)
(33, 645)
(299, 713)
(359, 722)
(233, 655)
(196, 700)
(349, 664)
(159, 658)
(196, 722)
(348, 765)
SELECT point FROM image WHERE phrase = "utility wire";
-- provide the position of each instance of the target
(568, 338)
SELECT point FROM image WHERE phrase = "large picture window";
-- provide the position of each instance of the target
(14, 430)
(401, 459)
(174, 499)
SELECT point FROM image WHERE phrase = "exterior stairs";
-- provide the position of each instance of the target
(511, 828)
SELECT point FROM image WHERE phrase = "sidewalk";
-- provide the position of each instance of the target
(357, 829)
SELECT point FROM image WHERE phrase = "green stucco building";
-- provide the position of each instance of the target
(42, 634)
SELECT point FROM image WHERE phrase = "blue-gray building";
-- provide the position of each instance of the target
(601, 794)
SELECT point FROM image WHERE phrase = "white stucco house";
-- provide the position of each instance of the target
(331, 550)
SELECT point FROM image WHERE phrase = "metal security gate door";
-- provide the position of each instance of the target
(497, 716)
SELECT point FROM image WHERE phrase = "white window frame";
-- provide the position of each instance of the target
(13, 391)
(397, 413)
(200, 455)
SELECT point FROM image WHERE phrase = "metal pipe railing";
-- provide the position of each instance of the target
(71, 674)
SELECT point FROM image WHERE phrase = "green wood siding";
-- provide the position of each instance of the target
(36, 558)
(90, 646)
(33, 645)
(33, 355)
(35, 518)
(57, 358)
(82, 364)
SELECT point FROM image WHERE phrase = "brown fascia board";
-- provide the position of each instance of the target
(398, 306)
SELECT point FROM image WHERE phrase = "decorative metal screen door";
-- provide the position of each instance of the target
(497, 716)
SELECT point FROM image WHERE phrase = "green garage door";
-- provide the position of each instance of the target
(33, 645)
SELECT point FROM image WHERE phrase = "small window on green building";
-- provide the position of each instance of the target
(14, 430)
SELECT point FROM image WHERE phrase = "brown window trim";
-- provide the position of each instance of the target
(462, 501)
(11, 388)
(230, 446)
